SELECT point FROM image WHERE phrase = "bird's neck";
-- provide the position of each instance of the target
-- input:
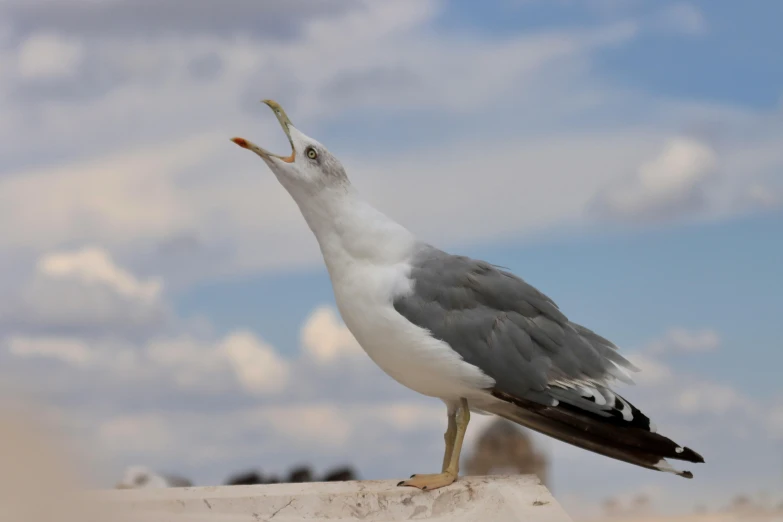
(350, 231)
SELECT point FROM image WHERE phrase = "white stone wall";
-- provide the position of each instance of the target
(470, 499)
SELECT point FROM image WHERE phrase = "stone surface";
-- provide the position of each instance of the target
(473, 499)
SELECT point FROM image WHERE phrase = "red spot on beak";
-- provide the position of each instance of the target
(242, 142)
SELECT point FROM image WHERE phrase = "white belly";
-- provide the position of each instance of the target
(407, 353)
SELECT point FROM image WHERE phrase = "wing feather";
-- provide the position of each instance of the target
(515, 334)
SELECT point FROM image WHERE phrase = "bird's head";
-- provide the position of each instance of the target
(310, 166)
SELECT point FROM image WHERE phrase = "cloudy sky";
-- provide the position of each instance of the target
(165, 303)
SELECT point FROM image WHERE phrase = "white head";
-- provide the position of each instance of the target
(343, 223)
(309, 169)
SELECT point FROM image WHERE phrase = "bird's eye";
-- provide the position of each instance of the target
(311, 153)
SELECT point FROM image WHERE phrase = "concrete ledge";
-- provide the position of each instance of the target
(471, 499)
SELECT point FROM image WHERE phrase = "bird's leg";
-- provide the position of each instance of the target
(448, 437)
(454, 436)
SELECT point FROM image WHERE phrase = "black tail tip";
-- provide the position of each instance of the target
(689, 455)
(686, 474)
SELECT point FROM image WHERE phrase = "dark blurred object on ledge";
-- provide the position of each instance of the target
(300, 474)
(245, 479)
(340, 475)
(504, 448)
(297, 474)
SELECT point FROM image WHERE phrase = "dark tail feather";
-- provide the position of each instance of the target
(595, 433)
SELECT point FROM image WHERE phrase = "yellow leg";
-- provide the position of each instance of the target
(454, 438)
(448, 437)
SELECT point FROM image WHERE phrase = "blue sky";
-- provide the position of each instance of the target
(733, 51)
(623, 156)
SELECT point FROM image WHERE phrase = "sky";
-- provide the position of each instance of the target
(165, 304)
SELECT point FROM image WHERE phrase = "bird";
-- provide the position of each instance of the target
(465, 331)
(141, 477)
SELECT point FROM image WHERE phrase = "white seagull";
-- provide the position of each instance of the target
(463, 330)
(141, 477)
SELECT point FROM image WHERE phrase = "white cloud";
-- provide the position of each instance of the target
(682, 393)
(95, 266)
(190, 364)
(711, 398)
(237, 361)
(325, 338)
(105, 356)
(323, 424)
(44, 56)
(85, 290)
(681, 340)
(669, 186)
(761, 195)
(72, 351)
(684, 17)
(131, 196)
(84, 311)
(257, 365)
(140, 18)
(653, 372)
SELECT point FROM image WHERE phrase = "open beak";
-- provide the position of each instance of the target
(285, 122)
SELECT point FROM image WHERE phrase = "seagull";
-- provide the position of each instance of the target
(141, 477)
(463, 330)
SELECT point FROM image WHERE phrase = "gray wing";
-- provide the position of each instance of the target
(515, 334)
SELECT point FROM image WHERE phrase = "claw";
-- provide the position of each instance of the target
(429, 482)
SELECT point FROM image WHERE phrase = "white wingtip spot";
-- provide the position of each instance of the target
(663, 465)
(626, 410)
(653, 427)
(679, 450)
(555, 402)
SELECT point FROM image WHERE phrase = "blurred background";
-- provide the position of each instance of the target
(165, 307)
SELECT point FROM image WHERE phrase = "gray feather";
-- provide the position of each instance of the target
(511, 331)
